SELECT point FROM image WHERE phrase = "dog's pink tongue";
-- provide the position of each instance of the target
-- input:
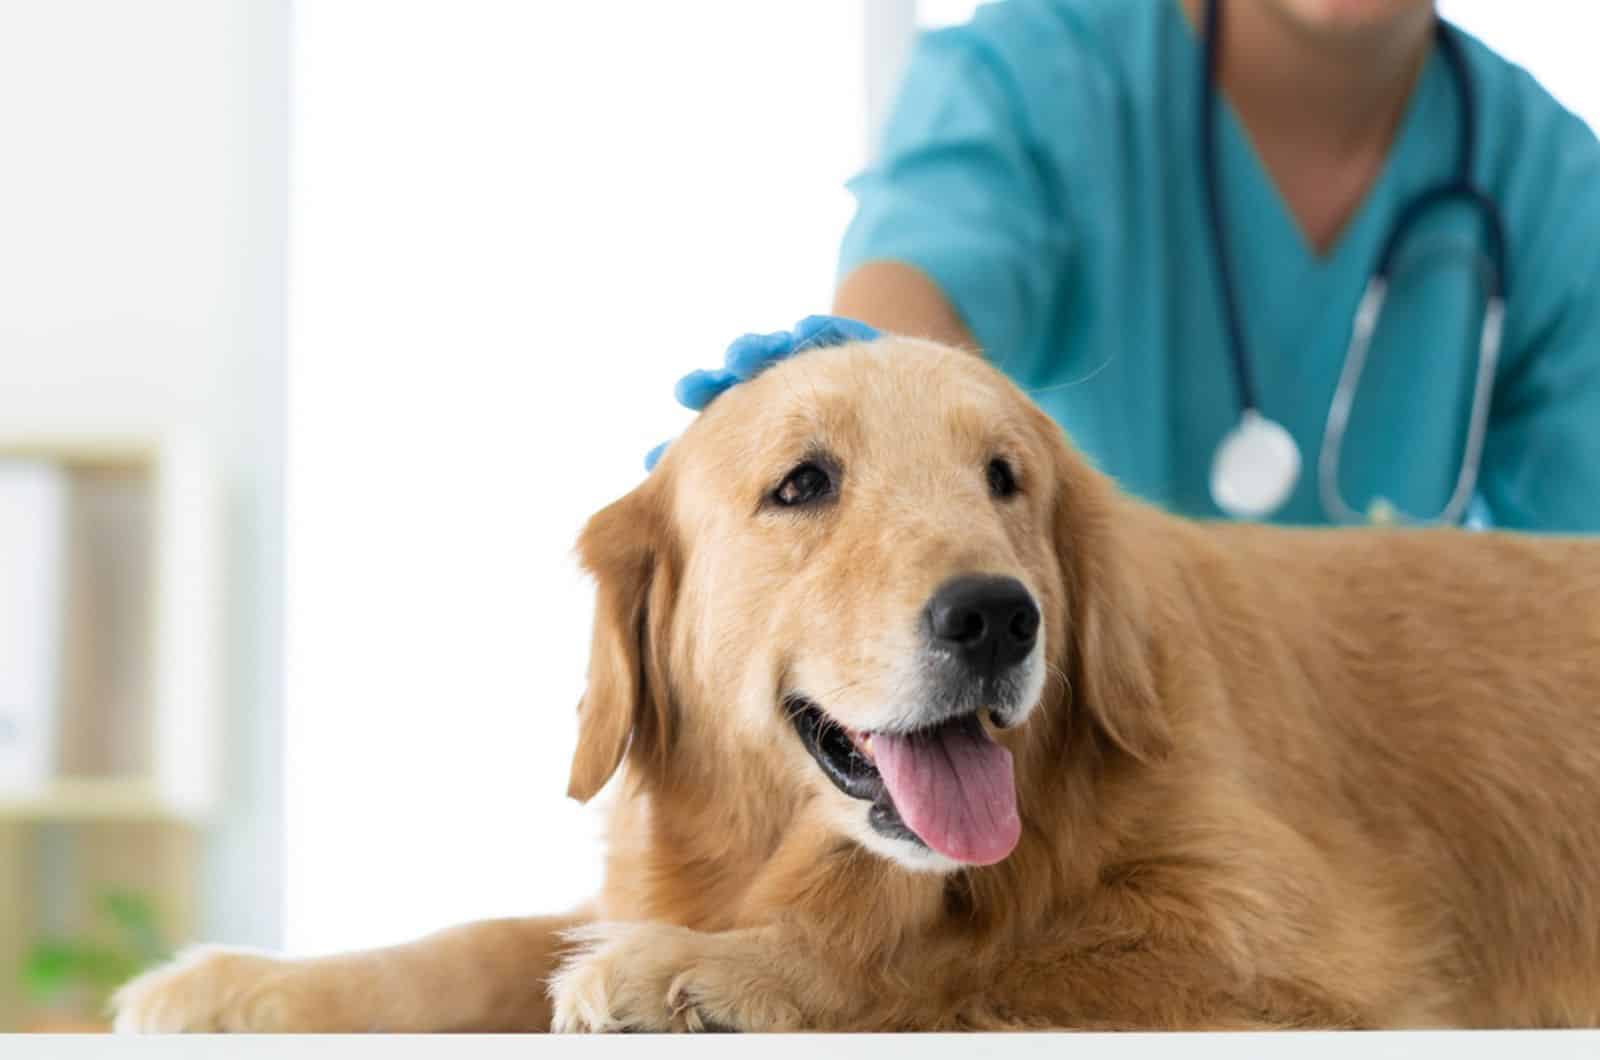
(953, 787)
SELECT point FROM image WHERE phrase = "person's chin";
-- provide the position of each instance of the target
(1350, 16)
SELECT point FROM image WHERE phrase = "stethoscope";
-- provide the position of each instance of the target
(1257, 463)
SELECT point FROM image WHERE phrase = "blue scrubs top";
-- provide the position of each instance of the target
(1041, 167)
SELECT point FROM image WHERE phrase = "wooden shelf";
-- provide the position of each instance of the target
(141, 654)
(135, 767)
(83, 450)
(94, 799)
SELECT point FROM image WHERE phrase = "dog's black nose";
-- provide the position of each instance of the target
(988, 622)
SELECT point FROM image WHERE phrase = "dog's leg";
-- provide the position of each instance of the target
(659, 977)
(653, 977)
(486, 976)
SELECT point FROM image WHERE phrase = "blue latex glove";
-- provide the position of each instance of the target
(749, 354)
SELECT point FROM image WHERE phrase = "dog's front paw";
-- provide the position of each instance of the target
(658, 977)
(211, 989)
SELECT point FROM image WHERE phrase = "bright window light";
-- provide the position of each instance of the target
(514, 226)
(936, 14)
(1552, 39)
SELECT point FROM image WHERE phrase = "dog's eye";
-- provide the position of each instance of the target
(1002, 480)
(803, 485)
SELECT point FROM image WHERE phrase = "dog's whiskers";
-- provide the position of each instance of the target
(846, 687)
(795, 705)
(1053, 670)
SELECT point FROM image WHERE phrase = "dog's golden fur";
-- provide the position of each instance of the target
(1276, 778)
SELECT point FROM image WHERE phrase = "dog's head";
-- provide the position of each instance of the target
(846, 590)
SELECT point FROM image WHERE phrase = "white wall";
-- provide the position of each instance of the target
(1553, 39)
(515, 225)
(142, 187)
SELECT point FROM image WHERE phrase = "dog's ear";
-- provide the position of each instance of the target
(627, 548)
(1110, 660)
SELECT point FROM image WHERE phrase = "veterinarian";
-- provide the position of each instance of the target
(1168, 220)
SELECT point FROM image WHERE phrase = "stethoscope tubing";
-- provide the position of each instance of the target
(1459, 188)
(1355, 360)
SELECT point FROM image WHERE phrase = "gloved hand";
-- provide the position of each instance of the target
(749, 354)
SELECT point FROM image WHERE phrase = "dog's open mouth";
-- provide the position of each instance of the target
(949, 786)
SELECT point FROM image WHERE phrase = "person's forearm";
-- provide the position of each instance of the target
(901, 300)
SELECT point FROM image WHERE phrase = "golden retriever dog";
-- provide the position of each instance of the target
(920, 724)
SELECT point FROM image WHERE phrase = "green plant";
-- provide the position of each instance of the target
(89, 969)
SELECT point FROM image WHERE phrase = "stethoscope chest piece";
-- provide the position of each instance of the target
(1255, 468)
(1257, 465)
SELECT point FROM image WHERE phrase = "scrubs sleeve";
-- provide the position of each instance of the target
(1542, 454)
(961, 191)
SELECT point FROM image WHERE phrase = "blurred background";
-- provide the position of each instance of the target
(322, 329)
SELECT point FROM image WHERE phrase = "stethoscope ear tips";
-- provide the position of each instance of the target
(1255, 468)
